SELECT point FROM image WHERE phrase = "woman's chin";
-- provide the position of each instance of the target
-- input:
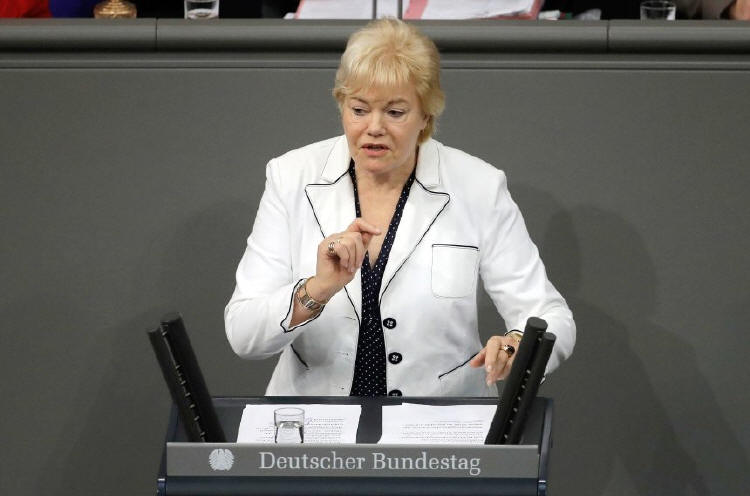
(378, 165)
(373, 164)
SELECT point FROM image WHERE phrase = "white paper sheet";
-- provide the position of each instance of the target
(430, 9)
(324, 424)
(474, 9)
(346, 9)
(411, 423)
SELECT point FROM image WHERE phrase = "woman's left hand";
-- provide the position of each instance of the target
(496, 357)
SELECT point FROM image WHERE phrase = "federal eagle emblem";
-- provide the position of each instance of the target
(221, 459)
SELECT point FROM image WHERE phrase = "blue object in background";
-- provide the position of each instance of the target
(72, 8)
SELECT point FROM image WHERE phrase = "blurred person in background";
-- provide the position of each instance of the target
(630, 9)
(714, 9)
(24, 8)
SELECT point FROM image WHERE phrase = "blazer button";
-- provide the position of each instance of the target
(395, 358)
(389, 323)
(394, 392)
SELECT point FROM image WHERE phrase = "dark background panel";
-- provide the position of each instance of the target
(127, 193)
(633, 188)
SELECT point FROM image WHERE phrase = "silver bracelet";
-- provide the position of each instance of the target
(306, 300)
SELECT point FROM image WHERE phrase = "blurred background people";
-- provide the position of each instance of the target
(630, 9)
(714, 9)
(24, 8)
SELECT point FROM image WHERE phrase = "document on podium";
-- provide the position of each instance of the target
(411, 423)
(323, 424)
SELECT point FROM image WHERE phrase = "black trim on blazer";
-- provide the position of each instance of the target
(456, 246)
(310, 201)
(299, 357)
(458, 366)
(380, 301)
(346, 172)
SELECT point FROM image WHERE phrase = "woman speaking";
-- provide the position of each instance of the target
(363, 261)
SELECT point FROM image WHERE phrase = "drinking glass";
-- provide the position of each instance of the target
(201, 9)
(290, 425)
(658, 10)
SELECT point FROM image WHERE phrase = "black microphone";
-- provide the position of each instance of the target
(516, 382)
(185, 380)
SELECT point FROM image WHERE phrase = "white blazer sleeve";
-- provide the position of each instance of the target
(515, 278)
(257, 316)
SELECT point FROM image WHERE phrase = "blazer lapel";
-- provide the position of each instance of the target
(332, 203)
(426, 202)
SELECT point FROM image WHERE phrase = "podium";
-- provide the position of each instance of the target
(365, 468)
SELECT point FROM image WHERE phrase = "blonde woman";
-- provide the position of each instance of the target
(363, 261)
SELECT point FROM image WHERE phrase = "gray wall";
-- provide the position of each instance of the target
(131, 165)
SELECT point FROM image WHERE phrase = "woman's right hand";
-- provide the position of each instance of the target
(336, 267)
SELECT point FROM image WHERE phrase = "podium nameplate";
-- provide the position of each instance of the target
(356, 460)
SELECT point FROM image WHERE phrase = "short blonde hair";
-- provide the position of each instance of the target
(390, 53)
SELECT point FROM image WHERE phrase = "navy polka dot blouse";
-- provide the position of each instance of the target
(370, 364)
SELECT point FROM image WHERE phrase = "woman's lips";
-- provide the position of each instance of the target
(374, 150)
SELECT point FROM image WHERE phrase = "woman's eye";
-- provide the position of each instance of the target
(358, 111)
(396, 113)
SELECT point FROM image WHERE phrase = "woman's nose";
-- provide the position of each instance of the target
(375, 125)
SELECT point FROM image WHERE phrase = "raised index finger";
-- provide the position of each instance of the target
(366, 229)
(361, 225)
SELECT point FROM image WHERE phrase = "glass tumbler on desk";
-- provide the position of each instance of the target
(290, 425)
(201, 9)
(658, 10)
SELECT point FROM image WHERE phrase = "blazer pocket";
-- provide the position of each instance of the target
(454, 270)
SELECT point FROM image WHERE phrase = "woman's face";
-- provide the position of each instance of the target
(382, 126)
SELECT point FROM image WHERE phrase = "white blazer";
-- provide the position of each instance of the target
(458, 224)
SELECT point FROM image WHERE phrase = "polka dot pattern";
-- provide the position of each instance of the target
(370, 364)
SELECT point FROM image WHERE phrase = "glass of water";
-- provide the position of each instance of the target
(290, 425)
(201, 9)
(658, 10)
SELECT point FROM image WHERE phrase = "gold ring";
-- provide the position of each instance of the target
(331, 246)
(508, 349)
